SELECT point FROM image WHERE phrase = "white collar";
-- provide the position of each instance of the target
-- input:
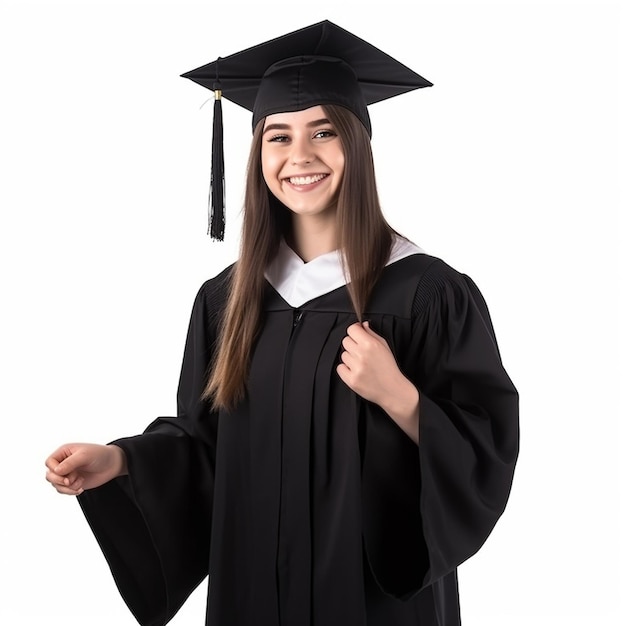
(298, 282)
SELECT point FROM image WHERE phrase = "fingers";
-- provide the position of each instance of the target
(65, 467)
(348, 359)
(51, 463)
(66, 485)
(368, 329)
(62, 471)
(72, 462)
(349, 344)
(344, 373)
(66, 491)
(357, 344)
(367, 364)
(379, 338)
(63, 460)
(58, 479)
(57, 456)
(363, 333)
(356, 332)
(361, 341)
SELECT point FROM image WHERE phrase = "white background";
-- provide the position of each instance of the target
(508, 168)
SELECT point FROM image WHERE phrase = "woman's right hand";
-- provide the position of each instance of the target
(74, 467)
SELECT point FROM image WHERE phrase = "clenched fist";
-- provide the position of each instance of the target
(369, 368)
(74, 467)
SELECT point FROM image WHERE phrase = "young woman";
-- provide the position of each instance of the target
(346, 433)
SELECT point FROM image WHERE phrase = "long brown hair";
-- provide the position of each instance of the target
(362, 232)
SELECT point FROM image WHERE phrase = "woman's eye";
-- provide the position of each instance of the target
(279, 138)
(322, 134)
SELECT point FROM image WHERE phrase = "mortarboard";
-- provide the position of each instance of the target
(319, 64)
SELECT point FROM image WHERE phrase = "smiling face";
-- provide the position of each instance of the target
(302, 160)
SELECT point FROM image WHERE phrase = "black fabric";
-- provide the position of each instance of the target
(297, 83)
(321, 511)
(308, 52)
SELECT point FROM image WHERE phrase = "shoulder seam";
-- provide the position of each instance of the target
(430, 284)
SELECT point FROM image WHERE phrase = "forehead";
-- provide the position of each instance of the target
(296, 118)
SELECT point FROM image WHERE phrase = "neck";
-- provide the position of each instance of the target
(312, 236)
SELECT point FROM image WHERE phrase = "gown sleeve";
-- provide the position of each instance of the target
(154, 525)
(430, 507)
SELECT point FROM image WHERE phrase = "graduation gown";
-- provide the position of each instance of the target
(307, 505)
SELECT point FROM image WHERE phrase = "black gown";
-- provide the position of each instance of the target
(307, 505)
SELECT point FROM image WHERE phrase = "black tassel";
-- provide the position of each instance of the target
(217, 221)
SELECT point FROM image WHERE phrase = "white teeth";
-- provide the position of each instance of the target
(306, 180)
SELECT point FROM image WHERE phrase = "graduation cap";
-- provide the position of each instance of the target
(319, 64)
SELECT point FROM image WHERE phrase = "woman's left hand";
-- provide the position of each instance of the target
(369, 368)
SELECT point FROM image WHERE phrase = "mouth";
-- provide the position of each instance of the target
(302, 181)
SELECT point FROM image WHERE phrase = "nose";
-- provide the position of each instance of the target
(301, 151)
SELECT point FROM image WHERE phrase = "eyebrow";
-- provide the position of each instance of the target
(312, 124)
